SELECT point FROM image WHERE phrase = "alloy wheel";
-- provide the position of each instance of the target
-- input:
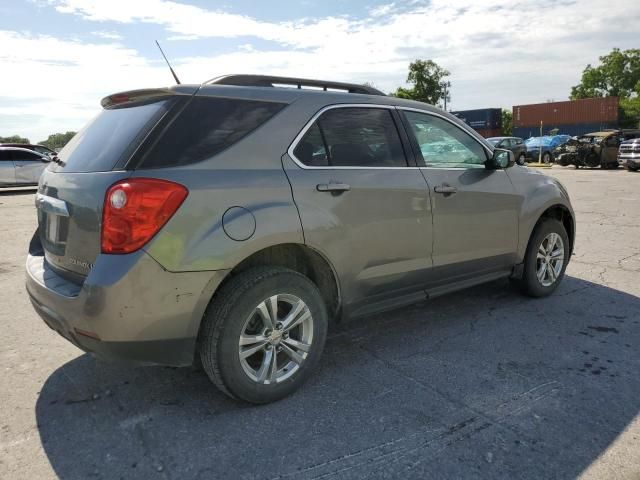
(550, 259)
(276, 339)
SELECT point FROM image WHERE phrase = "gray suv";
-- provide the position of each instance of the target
(229, 222)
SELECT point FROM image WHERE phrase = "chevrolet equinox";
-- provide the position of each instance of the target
(228, 222)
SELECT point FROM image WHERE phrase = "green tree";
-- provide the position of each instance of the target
(14, 139)
(618, 75)
(507, 123)
(630, 112)
(57, 140)
(429, 83)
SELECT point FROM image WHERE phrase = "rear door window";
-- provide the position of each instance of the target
(5, 156)
(19, 155)
(111, 136)
(352, 137)
(207, 126)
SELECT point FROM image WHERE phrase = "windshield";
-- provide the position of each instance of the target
(112, 134)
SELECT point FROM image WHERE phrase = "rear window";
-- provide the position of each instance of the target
(207, 126)
(110, 136)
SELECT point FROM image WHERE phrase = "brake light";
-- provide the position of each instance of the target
(135, 210)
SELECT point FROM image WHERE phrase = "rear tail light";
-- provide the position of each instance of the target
(135, 210)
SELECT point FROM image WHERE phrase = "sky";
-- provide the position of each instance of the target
(58, 58)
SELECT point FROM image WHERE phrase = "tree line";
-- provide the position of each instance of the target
(617, 75)
(55, 141)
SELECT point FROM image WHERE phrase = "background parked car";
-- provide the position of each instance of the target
(36, 148)
(21, 166)
(547, 144)
(629, 154)
(591, 150)
(515, 144)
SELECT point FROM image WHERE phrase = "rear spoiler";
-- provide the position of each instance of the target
(146, 94)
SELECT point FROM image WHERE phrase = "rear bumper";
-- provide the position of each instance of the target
(128, 309)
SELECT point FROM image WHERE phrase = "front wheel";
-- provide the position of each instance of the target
(263, 334)
(546, 259)
(522, 159)
(546, 158)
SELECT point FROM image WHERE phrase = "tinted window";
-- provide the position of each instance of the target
(4, 156)
(19, 155)
(42, 150)
(352, 137)
(113, 134)
(442, 144)
(518, 141)
(206, 127)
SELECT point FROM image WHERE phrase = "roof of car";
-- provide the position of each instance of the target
(600, 134)
(5, 147)
(292, 82)
(23, 145)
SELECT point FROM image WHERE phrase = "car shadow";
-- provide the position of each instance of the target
(10, 191)
(483, 383)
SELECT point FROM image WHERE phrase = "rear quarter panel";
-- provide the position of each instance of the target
(247, 175)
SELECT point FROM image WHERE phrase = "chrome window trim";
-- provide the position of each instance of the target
(310, 123)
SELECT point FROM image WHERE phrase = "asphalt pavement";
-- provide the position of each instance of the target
(483, 383)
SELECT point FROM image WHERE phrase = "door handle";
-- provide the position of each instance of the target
(335, 188)
(445, 189)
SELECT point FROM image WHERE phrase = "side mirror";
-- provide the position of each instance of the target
(501, 159)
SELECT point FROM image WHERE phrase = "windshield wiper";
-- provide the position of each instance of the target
(56, 159)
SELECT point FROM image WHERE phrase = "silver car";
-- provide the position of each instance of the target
(230, 222)
(20, 166)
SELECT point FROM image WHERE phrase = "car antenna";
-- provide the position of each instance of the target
(165, 59)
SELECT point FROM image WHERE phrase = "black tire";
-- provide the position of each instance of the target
(546, 157)
(226, 317)
(529, 283)
(632, 169)
(522, 159)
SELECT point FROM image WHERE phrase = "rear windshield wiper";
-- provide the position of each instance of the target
(56, 159)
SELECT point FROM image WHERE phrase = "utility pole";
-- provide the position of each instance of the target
(445, 86)
(540, 149)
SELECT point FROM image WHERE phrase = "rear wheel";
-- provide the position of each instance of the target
(546, 157)
(263, 334)
(632, 169)
(546, 259)
(522, 159)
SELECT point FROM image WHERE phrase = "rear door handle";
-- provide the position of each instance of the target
(445, 189)
(333, 187)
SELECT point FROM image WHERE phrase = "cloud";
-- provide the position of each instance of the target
(499, 54)
(382, 10)
(107, 35)
(57, 84)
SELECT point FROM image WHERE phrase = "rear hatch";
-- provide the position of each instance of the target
(72, 190)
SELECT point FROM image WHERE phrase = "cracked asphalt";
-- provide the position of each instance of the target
(483, 383)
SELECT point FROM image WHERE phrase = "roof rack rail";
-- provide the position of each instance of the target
(272, 81)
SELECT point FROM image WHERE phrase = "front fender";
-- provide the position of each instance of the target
(539, 193)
